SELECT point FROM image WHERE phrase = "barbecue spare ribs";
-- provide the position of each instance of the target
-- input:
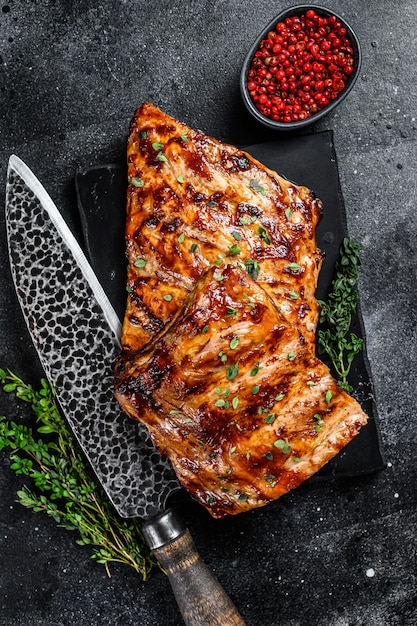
(218, 338)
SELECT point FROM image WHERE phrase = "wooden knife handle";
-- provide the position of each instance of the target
(200, 597)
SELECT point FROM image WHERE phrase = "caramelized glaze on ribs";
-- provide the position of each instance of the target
(232, 393)
(219, 334)
(193, 202)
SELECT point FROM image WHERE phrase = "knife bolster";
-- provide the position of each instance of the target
(162, 529)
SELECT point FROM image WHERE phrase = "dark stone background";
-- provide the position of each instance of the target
(71, 75)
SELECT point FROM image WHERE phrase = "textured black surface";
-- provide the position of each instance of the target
(332, 553)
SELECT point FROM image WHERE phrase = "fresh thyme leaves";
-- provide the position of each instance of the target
(334, 336)
(283, 445)
(63, 485)
(252, 268)
(263, 234)
(232, 371)
(234, 249)
(234, 342)
(137, 182)
(256, 186)
(254, 371)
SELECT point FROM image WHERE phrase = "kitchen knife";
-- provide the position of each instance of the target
(76, 333)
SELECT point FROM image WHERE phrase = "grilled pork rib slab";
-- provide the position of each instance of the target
(194, 202)
(233, 394)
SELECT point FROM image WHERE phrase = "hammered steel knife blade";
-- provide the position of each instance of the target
(76, 333)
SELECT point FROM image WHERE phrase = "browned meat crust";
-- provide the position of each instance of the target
(232, 393)
(194, 202)
(219, 334)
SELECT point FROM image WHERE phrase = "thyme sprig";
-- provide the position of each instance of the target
(63, 484)
(336, 314)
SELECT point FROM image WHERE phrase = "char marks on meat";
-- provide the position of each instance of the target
(193, 202)
(218, 339)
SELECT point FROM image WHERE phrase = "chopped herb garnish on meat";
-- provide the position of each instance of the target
(283, 445)
(234, 343)
(211, 203)
(218, 262)
(319, 422)
(328, 396)
(270, 419)
(180, 179)
(137, 182)
(236, 235)
(279, 397)
(288, 213)
(161, 157)
(194, 247)
(205, 329)
(184, 137)
(263, 233)
(291, 356)
(231, 311)
(255, 369)
(235, 402)
(168, 297)
(139, 263)
(232, 371)
(181, 238)
(220, 403)
(252, 268)
(255, 389)
(269, 456)
(234, 249)
(293, 295)
(143, 134)
(294, 266)
(243, 497)
(256, 186)
(250, 302)
(157, 145)
(222, 356)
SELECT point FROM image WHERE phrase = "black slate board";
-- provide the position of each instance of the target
(306, 160)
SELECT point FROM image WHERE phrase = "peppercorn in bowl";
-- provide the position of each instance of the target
(302, 65)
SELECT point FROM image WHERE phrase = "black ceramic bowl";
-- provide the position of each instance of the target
(349, 82)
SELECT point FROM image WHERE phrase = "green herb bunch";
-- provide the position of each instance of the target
(336, 313)
(64, 486)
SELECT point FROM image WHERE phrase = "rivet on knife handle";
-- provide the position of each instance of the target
(200, 597)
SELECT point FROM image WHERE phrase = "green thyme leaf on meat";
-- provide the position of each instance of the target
(256, 186)
(252, 268)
